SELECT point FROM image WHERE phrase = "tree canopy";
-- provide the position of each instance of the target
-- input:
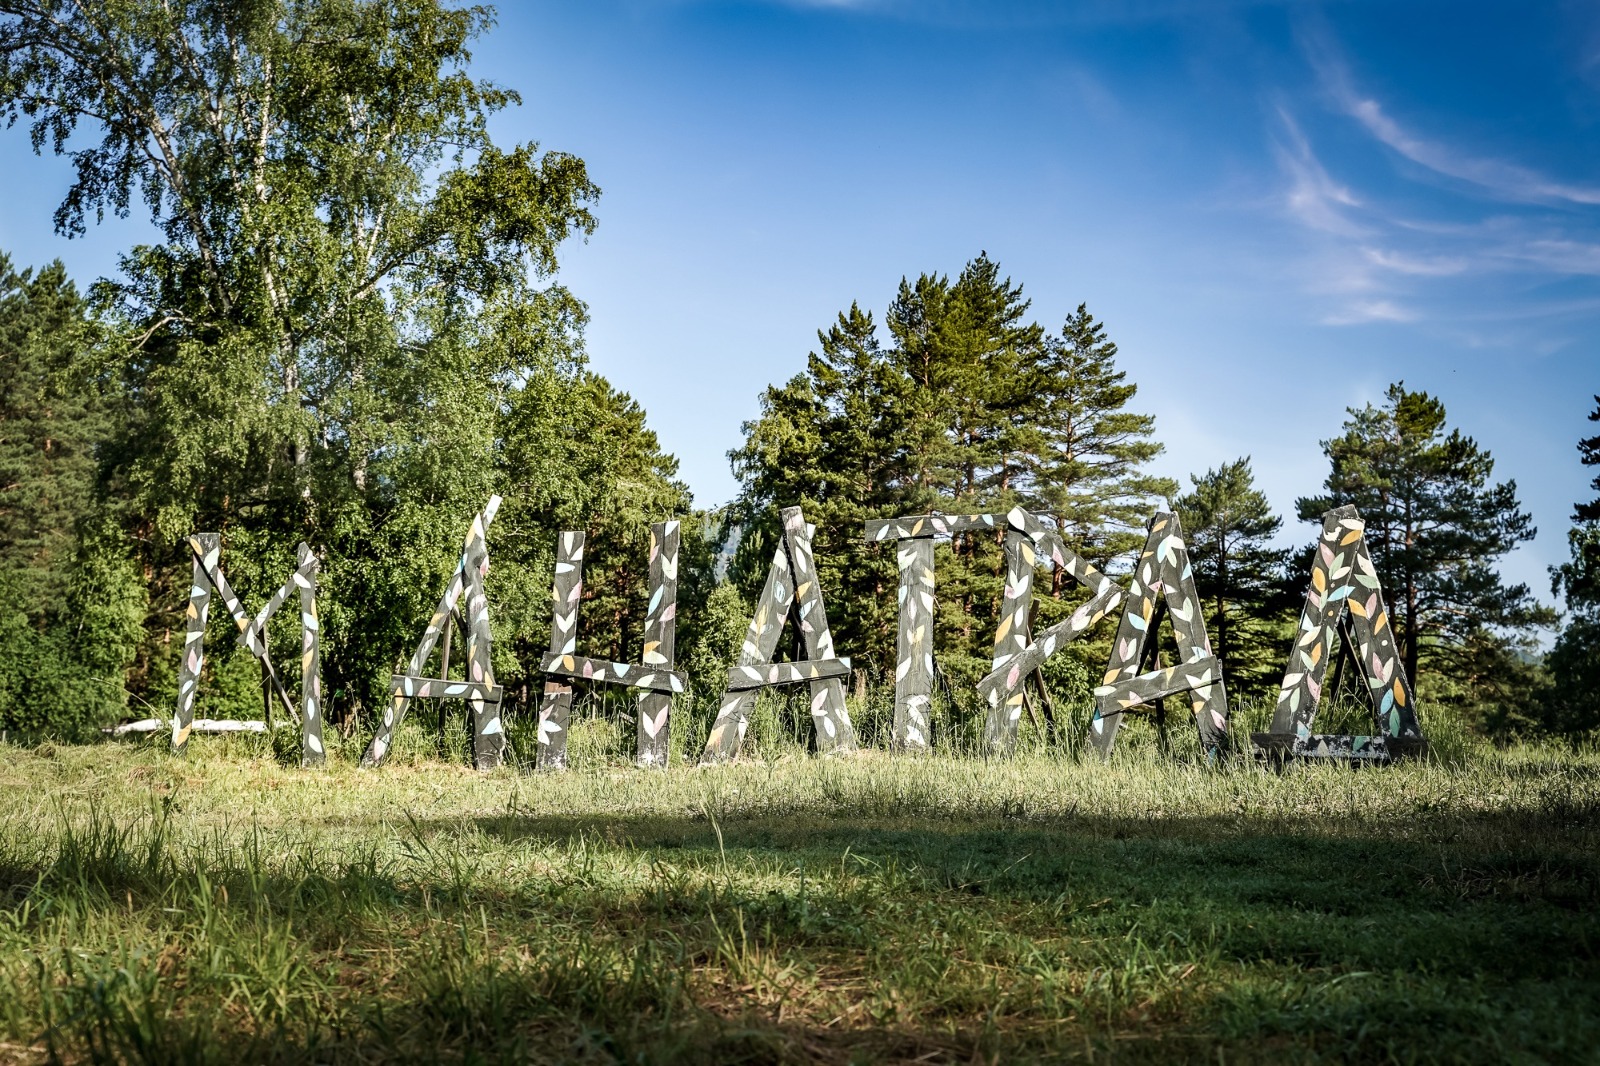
(1436, 525)
(350, 331)
(964, 406)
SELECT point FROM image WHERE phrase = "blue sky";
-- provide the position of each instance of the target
(1276, 209)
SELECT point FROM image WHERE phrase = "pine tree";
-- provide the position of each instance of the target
(969, 407)
(50, 424)
(1572, 704)
(1589, 452)
(1089, 474)
(70, 601)
(1229, 525)
(1435, 525)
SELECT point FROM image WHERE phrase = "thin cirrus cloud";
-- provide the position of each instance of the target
(1313, 197)
(1504, 179)
(1380, 264)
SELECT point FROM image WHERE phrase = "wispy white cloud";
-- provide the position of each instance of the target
(1503, 178)
(1366, 311)
(1367, 260)
(1436, 266)
(1313, 196)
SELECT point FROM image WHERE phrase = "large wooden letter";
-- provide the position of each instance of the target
(791, 581)
(1163, 568)
(208, 577)
(653, 676)
(478, 688)
(1344, 599)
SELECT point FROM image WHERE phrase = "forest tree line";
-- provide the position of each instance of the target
(351, 332)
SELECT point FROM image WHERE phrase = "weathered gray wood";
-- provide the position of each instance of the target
(207, 549)
(761, 640)
(1345, 591)
(555, 708)
(1011, 637)
(434, 688)
(488, 728)
(1162, 570)
(208, 578)
(1002, 689)
(474, 555)
(913, 670)
(741, 678)
(829, 714)
(791, 582)
(606, 672)
(660, 628)
(312, 752)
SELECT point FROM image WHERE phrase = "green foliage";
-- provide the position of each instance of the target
(1435, 525)
(934, 909)
(969, 407)
(349, 332)
(1571, 706)
(1589, 453)
(1240, 578)
(70, 599)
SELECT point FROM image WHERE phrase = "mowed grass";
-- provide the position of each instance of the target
(227, 908)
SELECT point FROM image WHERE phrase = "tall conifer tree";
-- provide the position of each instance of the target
(1229, 525)
(1436, 525)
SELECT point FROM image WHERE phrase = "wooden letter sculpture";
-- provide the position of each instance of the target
(1016, 656)
(1026, 538)
(791, 581)
(654, 676)
(208, 576)
(1163, 568)
(478, 688)
(1345, 598)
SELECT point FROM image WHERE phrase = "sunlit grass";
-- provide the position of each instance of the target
(229, 908)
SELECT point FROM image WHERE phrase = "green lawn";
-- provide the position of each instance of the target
(230, 909)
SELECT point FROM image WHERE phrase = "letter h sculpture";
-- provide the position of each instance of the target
(654, 677)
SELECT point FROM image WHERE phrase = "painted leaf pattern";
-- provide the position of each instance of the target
(208, 578)
(653, 675)
(1344, 600)
(791, 583)
(1163, 571)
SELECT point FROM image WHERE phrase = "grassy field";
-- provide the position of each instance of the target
(230, 909)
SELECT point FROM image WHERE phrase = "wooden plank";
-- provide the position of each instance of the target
(555, 706)
(741, 678)
(1162, 571)
(1011, 636)
(394, 714)
(606, 672)
(206, 549)
(660, 628)
(829, 714)
(913, 670)
(760, 641)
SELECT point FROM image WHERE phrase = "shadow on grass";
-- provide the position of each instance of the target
(722, 936)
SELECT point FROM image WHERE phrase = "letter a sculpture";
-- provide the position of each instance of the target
(478, 688)
(791, 582)
(208, 576)
(1345, 598)
(654, 677)
(1163, 568)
